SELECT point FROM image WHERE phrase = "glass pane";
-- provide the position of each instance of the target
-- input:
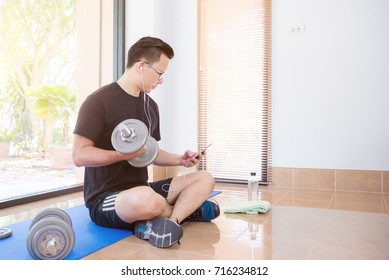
(37, 95)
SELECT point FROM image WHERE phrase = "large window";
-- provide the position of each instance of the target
(51, 58)
(37, 95)
(235, 87)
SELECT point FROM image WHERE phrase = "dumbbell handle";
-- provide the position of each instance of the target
(51, 246)
(126, 133)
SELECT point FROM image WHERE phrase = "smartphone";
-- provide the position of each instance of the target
(202, 152)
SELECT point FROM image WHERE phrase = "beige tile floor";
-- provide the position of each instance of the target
(302, 224)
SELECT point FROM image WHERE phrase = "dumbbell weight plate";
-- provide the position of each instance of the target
(52, 213)
(149, 156)
(50, 239)
(135, 143)
(5, 232)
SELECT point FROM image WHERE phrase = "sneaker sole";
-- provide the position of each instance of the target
(164, 233)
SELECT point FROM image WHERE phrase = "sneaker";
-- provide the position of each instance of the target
(161, 232)
(208, 211)
(142, 229)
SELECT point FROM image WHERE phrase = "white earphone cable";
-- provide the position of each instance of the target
(146, 108)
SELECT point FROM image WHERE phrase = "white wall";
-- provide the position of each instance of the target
(175, 22)
(331, 85)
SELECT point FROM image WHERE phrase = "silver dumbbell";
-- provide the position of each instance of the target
(51, 235)
(130, 136)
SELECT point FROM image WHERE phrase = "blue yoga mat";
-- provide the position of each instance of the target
(89, 236)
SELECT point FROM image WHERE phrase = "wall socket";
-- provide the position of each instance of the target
(297, 29)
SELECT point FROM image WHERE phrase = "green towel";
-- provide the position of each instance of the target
(248, 207)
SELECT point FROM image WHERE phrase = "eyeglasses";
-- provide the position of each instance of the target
(161, 74)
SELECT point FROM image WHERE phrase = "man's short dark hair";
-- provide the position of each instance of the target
(149, 49)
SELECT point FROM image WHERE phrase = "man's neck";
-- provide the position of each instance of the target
(126, 83)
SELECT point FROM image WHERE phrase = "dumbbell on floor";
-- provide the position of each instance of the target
(51, 235)
(130, 136)
(5, 232)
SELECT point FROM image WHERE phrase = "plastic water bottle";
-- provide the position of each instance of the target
(253, 230)
(252, 186)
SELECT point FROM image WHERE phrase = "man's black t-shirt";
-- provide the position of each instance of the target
(100, 113)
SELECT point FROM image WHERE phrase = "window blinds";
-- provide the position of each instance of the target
(235, 88)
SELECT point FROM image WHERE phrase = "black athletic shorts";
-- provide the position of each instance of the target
(103, 211)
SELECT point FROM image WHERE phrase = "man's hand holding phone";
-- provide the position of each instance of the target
(202, 153)
(190, 159)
